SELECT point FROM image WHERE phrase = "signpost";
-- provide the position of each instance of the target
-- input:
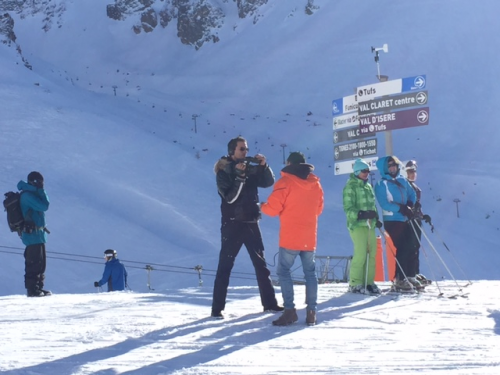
(394, 120)
(395, 86)
(350, 134)
(379, 107)
(359, 149)
(345, 167)
(394, 102)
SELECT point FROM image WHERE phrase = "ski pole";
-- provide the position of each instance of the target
(439, 256)
(452, 256)
(428, 263)
(367, 255)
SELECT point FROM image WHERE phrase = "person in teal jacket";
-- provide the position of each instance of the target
(362, 219)
(115, 273)
(396, 197)
(34, 203)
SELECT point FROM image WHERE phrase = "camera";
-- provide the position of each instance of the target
(250, 159)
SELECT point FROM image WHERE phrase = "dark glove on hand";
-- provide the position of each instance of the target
(363, 215)
(417, 206)
(405, 210)
(427, 219)
(379, 224)
(240, 173)
(96, 284)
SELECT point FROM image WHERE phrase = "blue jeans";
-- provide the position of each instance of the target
(285, 263)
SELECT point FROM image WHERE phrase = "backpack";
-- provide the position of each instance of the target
(15, 218)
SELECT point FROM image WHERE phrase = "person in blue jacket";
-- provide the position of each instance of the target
(396, 197)
(115, 274)
(34, 202)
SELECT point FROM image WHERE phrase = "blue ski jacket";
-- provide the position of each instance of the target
(38, 201)
(115, 275)
(391, 192)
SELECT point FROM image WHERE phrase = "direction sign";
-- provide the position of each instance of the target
(344, 167)
(395, 86)
(343, 105)
(412, 99)
(345, 121)
(356, 149)
(349, 134)
(394, 120)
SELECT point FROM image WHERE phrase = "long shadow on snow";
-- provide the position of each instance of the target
(234, 337)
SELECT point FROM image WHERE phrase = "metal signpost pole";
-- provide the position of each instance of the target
(382, 78)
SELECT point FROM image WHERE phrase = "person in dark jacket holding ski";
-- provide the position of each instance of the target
(115, 274)
(396, 198)
(34, 202)
(237, 183)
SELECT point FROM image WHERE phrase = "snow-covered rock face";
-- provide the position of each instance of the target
(7, 35)
(249, 7)
(197, 21)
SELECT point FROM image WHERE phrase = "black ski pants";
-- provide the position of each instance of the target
(234, 234)
(402, 236)
(35, 261)
(415, 236)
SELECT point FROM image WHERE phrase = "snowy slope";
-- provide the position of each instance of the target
(129, 172)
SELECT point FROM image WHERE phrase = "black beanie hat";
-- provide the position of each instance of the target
(34, 177)
(296, 158)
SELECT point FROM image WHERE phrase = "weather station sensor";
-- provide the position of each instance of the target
(384, 48)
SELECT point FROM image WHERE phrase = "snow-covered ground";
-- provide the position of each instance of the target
(170, 333)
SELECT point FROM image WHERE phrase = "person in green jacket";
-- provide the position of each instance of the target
(362, 219)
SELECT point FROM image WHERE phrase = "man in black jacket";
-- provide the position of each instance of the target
(237, 183)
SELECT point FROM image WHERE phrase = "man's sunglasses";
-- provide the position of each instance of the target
(244, 149)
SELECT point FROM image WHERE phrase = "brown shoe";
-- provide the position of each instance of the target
(311, 317)
(288, 317)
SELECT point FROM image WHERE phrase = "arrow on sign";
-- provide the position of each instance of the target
(419, 82)
(422, 116)
(421, 98)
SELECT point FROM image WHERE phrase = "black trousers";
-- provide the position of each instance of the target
(35, 261)
(234, 234)
(402, 236)
(415, 236)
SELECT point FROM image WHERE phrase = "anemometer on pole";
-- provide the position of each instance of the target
(384, 48)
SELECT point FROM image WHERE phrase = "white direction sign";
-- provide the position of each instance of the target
(345, 167)
(346, 121)
(344, 105)
(396, 86)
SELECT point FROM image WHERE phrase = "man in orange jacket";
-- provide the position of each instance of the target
(297, 198)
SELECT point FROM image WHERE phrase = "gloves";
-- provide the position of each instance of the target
(427, 219)
(405, 210)
(96, 284)
(363, 215)
(240, 172)
(417, 206)
(379, 224)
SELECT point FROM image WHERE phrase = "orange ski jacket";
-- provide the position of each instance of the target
(297, 198)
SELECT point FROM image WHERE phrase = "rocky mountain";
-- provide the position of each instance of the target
(197, 21)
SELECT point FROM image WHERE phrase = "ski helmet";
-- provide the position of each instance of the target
(110, 253)
(411, 165)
